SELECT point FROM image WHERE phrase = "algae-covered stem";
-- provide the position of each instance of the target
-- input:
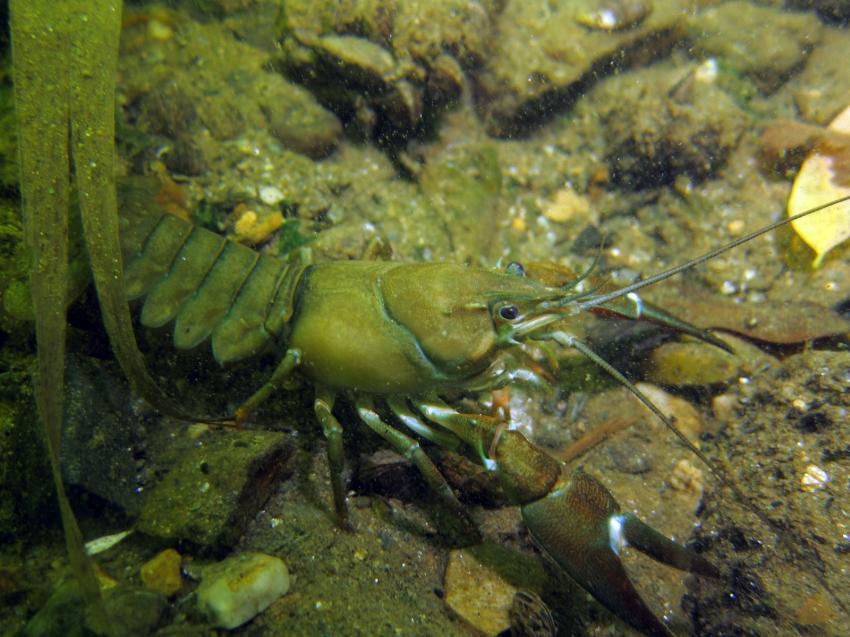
(65, 57)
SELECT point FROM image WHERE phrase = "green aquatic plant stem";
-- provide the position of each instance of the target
(65, 57)
(94, 52)
(41, 39)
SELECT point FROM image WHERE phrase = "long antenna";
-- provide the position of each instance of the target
(568, 340)
(666, 274)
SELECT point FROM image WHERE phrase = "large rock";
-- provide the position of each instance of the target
(102, 438)
(766, 44)
(546, 54)
(660, 126)
(386, 66)
(215, 487)
(185, 99)
(821, 89)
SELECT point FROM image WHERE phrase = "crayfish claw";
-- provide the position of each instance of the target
(580, 527)
(662, 549)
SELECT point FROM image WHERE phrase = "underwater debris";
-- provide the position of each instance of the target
(101, 544)
(823, 176)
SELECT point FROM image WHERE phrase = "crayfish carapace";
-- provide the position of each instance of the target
(404, 334)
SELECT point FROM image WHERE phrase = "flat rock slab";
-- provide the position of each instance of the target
(217, 483)
(544, 57)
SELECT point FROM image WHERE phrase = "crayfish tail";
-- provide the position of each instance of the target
(579, 525)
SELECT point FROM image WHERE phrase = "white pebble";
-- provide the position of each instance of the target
(814, 478)
(271, 195)
(240, 587)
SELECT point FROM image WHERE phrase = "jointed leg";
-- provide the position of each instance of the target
(410, 449)
(323, 406)
(418, 426)
(282, 371)
(480, 432)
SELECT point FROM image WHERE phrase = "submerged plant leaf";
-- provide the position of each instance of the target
(42, 68)
(823, 177)
(65, 57)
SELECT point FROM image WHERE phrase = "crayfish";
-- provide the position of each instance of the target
(405, 334)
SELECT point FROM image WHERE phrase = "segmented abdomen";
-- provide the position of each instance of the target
(209, 286)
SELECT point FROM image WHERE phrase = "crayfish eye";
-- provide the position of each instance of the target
(515, 268)
(509, 312)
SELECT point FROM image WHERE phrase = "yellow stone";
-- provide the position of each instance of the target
(569, 206)
(478, 594)
(252, 230)
(105, 580)
(162, 573)
(159, 31)
(481, 582)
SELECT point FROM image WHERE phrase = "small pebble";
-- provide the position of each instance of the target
(238, 588)
(271, 195)
(686, 477)
(800, 405)
(569, 206)
(723, 407)
(482, 593)
(626, 459)
(159, 31)
(611, 15)
(478, 594)
(162, 573)
(250, 229)
(735, 227)
(685, 415)
(814, 479)
(707, 73)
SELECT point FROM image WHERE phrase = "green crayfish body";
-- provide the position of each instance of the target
(404, 334)
(397, 328)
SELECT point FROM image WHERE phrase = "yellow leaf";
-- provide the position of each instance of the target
(815, 185)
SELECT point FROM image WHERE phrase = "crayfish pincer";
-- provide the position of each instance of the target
(405, 334)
